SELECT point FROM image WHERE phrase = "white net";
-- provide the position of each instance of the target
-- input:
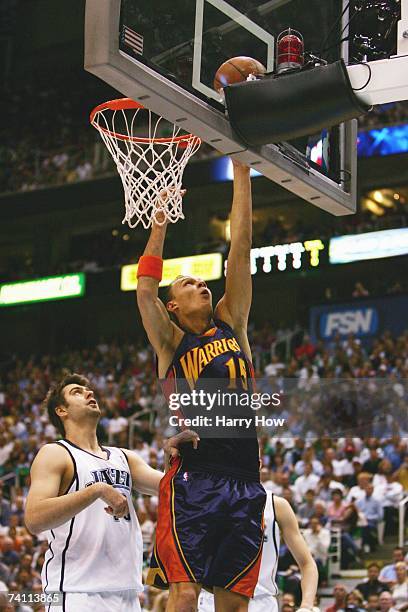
(151, 168)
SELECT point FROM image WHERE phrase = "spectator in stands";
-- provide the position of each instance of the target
(320, 512)
(399, 591)
(5, 508)
(326, 486)
(390, 492)
(352, 481)
(388, 573)
(354, 601)
(288, 599)
(339, 596)
(296, 453)
(306, 350)
(26, 565)
(343, 466)
(306, 482)
(344, 515)
(9, 556)
(309, 456)
(267, 480)
(392, 451)
(373, 603)
(337, 507)
(401, 474)
(274, 368)
(318, 541)
(288, 494)
(278, 465)
(358, 491)
(359, 290)
(372, 586)
(4, 570)
(373, 462)
(386, 602)
(373, 513)
(307, 509)
(17, 508)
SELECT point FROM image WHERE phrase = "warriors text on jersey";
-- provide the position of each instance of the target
(216, 355)
(95, 552)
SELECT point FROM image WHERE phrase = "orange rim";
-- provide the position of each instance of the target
(127, 104)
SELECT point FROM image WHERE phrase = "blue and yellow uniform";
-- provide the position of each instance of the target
(210, 516)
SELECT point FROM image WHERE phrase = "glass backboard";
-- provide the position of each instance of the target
(165, 54)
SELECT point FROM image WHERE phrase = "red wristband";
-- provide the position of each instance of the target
(150, 265)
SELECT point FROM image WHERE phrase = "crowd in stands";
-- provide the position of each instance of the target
(47, 141)
(54, 144)
(109, 248)
(385, 114)
(349, 484)
(384, 590)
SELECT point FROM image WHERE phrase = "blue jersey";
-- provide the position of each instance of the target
(210, 361)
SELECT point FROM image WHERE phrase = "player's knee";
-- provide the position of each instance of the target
(237, 606)
(241, 606)
(228, 601)
(185, 596)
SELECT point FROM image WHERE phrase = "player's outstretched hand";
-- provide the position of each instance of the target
(117, 503)
(159, 218)
(171, 446)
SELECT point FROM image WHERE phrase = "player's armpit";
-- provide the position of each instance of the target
(239, 326)
(145, 479)
(45, 508)
(294, 540)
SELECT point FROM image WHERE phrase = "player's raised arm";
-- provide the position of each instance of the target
(294, 540)
(48, 508)
(235, 305)
(156, 321)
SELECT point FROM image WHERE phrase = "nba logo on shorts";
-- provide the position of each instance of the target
(185, 476)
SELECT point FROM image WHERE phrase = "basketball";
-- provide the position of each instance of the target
(237, 70)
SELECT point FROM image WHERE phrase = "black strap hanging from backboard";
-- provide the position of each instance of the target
(276, 109)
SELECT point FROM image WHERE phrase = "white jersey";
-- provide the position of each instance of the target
(266, 590)
(94, 551)
(270, 553)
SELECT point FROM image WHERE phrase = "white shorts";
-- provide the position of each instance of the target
(108, 601)
(260, 603)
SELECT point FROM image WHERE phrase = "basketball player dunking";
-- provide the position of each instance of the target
(210, 518)
(80, 495)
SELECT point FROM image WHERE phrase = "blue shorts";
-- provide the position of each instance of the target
(209, 531)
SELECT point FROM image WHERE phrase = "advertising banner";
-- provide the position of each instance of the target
(365, 319)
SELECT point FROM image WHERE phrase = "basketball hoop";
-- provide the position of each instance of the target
(151, 168)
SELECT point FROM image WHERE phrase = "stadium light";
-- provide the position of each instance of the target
(43, 289)
(208, 267)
